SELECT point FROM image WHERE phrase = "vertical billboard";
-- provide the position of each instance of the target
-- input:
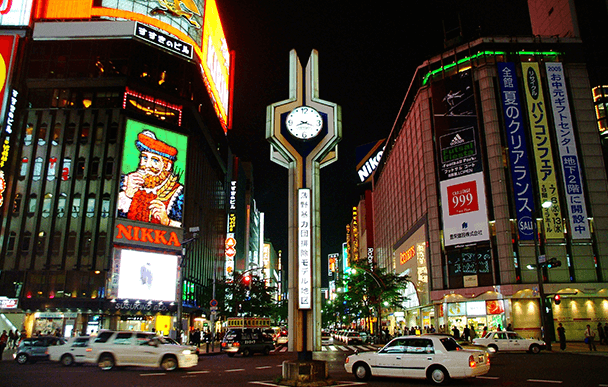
(543, 153)
(8, 98)
(152, 175)
(216, 64)
(568, 154)
(521, 179)
(461, 178)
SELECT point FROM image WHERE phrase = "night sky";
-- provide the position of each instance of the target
(368, 52)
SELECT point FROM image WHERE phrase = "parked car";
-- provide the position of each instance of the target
(142, 349)
(246, 342)
(436, 358)
(466, 344)
(510, 341)
(35, 348)
(71, 352)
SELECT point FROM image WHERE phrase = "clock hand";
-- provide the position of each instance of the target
(303, 123)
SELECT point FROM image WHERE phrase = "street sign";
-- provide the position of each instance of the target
(542, 258)
(213, 302)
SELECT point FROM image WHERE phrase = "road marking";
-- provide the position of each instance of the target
(263, 367)
(235, 370)
(154, 374)
(342, 348)
(198, 372)
(333, 348)
(488, 377)
(545, 381)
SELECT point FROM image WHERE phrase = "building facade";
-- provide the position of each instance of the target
(117, 151)
(495, 165)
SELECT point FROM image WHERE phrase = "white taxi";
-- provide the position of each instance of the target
(141, 349)
(509, 341)
(437, 358)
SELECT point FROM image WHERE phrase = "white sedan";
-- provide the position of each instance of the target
(437, 358)
(509, 341)
(72, 352)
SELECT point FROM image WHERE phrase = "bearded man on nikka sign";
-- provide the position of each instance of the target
(152, 192)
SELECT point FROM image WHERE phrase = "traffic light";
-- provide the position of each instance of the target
(247, 281)
(553, 262)
(557, 299)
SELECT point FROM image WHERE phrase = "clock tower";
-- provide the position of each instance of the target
(304, 132)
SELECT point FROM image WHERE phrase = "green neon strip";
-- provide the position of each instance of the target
(425, 79)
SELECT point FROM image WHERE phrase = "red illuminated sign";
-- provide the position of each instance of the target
(147, 235)
(462, 198)
(407, 255)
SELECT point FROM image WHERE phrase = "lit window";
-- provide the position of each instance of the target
(24, 167)
(46, 205)
(63, 199)
(29, 133)
(75, 205)
(52, 169)
(37, 169)
(31, 208)
(90, 206)
(66, 169)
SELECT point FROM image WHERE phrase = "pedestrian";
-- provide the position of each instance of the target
(499, 328)
(432, 330)
(606, 332)
(11, 339)
(473, 333)
(509, 327)
(466, 333)
(600, 333)
(485, 331)
(590, 337)
(456, 332)
(3, 341)
(561, 334)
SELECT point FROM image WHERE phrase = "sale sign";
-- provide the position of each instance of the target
(464, 210)
(462, 198)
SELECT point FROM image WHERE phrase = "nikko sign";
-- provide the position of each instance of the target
(367, 164)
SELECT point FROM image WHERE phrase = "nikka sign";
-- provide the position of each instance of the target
(147, 235)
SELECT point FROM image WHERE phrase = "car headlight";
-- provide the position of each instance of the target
(186, 352)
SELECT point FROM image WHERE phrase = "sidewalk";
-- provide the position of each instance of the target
(579, 347)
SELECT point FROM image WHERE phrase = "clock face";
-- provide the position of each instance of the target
(304, 122)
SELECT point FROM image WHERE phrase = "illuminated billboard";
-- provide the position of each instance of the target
(15, 12)
(8, 47)
(147, 276)
(152, 175)
(216, 64)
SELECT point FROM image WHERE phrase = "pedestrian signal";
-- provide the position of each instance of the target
(557, 299)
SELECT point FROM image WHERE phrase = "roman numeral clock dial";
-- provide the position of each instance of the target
(304, 123)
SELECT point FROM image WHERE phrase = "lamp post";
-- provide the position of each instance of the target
(539, 273)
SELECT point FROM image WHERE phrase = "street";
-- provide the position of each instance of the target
(573, 368)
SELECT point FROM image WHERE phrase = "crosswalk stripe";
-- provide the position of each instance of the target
(333, 348)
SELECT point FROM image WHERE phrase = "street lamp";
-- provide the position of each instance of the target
(539, 273)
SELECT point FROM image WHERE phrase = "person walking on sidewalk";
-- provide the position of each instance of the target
(561, 334)
(590, 337)
(600, 333)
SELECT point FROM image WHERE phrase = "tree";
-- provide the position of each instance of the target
(373, 288)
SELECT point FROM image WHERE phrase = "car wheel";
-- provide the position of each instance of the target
(106, 362)
(169, 363)
(67, 360)
(246, 352)
(22, 358)
(362, 371)
(266, 350)
(438, 375)
(534, 348)
(493, 346)
(230, 354)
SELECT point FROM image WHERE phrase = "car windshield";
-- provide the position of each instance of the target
(450, 344)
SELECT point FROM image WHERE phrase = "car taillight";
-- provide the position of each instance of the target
(347, 360)
(46, 352)
(472, 362)
(89, 350)
(488, 359)
(223, 344)
(236, 344)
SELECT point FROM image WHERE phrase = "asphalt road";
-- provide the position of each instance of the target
(508, 369)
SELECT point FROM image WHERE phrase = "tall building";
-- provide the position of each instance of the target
(494, 165)
(114, 157)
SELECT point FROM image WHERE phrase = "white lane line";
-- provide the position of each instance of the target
(235, 370)
(154, 374)
(265, 384)
(488, 377)
(333, 348)
(263, 367)
(324, 349)
(198, 372)
(545, 381)
(342, 348)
